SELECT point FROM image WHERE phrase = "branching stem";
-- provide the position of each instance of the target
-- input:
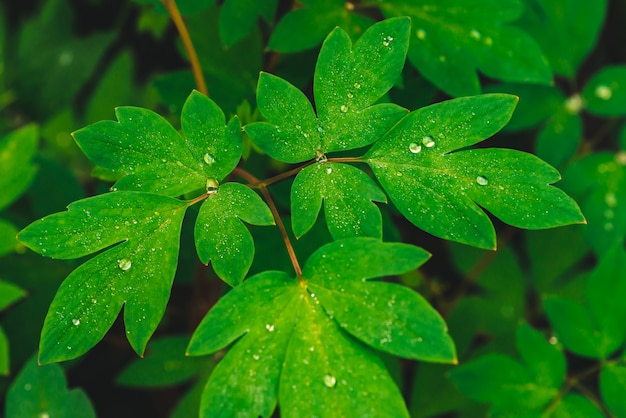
(174, 13)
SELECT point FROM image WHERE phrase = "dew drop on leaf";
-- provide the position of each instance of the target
(415, 148)
(256, 356)
(329, 170)
(76, 321)
(421, 34)
(357, 86)
(269, 327)
(482, 180)
(330, 381)
(343, 108)
(428, 141)
(553, 340)
(124, 264)
(475, 34)
(209, 158)
(603, 92)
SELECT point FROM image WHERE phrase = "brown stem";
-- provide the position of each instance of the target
(174, 13)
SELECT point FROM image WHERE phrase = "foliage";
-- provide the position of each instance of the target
(344, 136)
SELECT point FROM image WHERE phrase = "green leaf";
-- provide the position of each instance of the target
(437, 185)
(304, 28)
(153, 157)
(9, 294)
(4, 354)
(450, 43)
(238, 17)
(165, 365)
(502, 382)
(17, 149)
(141, 234)
(605, 93)
(613, 388)
(598, 182)
(559, 139)
(574, 405)
(40, 391)
(291, 335)
(7, 237)
(348, 195)
(220, 235)
(567, 31)
(347, 82)
(545, 361)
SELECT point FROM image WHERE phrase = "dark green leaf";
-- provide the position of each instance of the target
(598, 182)
(567, 31)
(4, 353)
(574, 405)
(348, 195)
(503, 382)
(220, 235)
(605, 93)
(153, 157)
(347, 82)
(438, 186)
(238, 17)
(291, 335)
(7, 237)
(137, 271)
(545, 361)
(9, 293)
(165, 364)
(41, 391)
(559, 139)
(452, 41)
(17, 149)
(613, 388)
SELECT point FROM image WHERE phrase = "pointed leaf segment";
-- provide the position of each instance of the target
(315, 336)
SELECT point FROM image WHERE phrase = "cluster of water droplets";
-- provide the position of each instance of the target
(427, 141)
(387, 40)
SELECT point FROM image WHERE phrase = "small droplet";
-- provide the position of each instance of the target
(428, 141)
(574, 104)
(209, 159)
(343, 108)
(488, 41)
(211, 186)
(553, 340)
(178, 163)
(357, 86)
(256, 356)
(27, 387)
(269, 327)
(44, 415)
(330, 381)
(603, 92)
(350, 95)
(124, 264)
(76, 321)
(320, 129)
(415, 148)
(482, 180)
(421, 34)
(329, 170)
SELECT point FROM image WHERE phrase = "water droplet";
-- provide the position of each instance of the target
(415, 148)
(603, 92)
(124, 264)
(475, 34)
(330, 381)
(269, 327)
(574, 104)
(209, 158)
(387, 40)
(428, 141)
(329, 170)
(211, 186)
(610, 199)
(178, 163)
(357, 86)
(320, 129)
(421, 34)
(350, 95)
(27, 387)
(256, 356)
(44, 415)
(488, 41)
(343, 108)
(482, 180)
(76, 321)
(553, 340)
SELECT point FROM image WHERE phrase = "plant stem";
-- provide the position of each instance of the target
(262, 185)
(174, 13)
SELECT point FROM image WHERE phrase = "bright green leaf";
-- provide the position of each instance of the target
(7, 237)
(238, 17)
(438, 186)
(567, 31)
(450, 42)
(41, 391)
(137, 272)
(545, 361)
(220, 235)
(347, 82)
(9, 293)
(503, 382)
(153, 157)
(605, 93)
(165, 364)
(348, 195)
(17, 149)
(613, 388)
(289, 336)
